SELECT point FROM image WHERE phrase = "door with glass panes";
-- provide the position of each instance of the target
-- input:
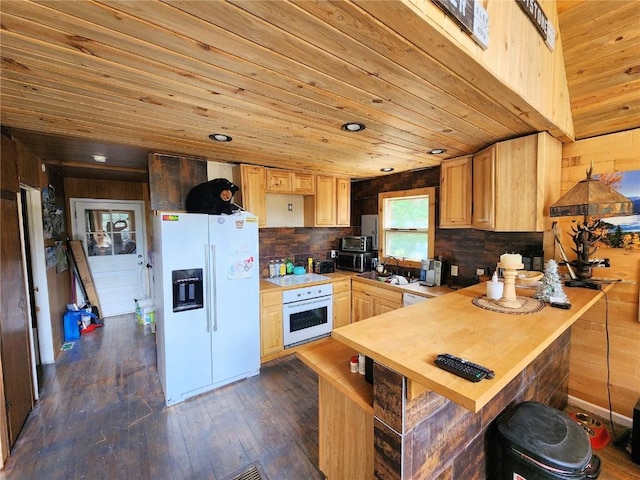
(113, 237)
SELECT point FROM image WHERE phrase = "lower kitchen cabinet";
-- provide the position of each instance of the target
(368, 301)
(271, 340)
(341, 303)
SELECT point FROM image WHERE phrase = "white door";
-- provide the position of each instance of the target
(113, 236)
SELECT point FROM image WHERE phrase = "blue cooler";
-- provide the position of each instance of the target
(539, 442)
(72, 321)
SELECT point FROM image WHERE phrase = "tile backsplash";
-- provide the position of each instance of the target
(299, 243)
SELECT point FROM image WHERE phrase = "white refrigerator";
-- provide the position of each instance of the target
(206, 284)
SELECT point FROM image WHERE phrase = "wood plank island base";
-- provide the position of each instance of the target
(428, 423)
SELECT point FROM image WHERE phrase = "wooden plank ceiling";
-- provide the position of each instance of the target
(124, 78)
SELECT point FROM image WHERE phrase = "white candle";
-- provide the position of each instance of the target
(510, 259)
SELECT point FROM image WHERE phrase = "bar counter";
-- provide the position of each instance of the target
(408, 340)
(425, 422)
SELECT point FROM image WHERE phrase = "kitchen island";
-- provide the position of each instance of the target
(428, 423)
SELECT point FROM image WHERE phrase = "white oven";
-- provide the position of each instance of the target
(307, 314)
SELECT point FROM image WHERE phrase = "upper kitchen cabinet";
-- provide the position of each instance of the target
(455, 192)
(286, 181)
(252, 195)
(331, 204)
(515, 182)
(171, 178)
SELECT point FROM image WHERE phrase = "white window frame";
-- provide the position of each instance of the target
(428, 191)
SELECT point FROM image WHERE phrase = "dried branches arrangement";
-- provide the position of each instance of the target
(585, 237)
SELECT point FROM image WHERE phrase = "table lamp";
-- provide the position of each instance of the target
(594, 200)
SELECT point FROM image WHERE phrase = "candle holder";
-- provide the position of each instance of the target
(509, 272)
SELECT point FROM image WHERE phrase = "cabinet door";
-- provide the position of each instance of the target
(343, 202)
(484, 171)
(455, 193)
(304, 183)
(361, 306)
(325, 201)
(279, 181)
(271, 324)
(381, 306)
(252, 195)
(271, 330)
(341, 309)
(518, 198)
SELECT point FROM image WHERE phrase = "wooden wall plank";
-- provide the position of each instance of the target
(588, 372)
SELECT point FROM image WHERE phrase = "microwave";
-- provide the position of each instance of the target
(359, 243)
(356, 262)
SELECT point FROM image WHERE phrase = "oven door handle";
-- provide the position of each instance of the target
(303, 303)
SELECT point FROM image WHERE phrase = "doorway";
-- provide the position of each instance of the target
(113, 237)
(39, 312)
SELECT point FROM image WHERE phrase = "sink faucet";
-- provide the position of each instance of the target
(387, 260)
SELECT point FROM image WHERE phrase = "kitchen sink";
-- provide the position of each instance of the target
(392, 279)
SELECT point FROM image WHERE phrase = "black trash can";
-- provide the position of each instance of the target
(539, 442)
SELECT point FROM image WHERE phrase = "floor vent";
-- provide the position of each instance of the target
(253, 472)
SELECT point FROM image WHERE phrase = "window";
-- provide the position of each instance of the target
(407, 225)
(110, 232)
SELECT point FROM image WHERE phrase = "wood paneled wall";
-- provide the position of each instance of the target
(543, 84)
(588, 361)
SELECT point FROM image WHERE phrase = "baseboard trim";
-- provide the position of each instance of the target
(601, 412)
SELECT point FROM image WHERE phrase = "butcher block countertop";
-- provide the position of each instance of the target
(409, 339)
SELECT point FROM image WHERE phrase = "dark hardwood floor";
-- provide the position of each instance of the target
(101, 415)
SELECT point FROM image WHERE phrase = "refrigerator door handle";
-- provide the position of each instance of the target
(212, 282)
(207, 276)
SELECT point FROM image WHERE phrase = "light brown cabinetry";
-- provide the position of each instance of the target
(252, 195)
(369, 301)
(341, 303)
(331, 204)
(484, 189)
(455, 192)
(286, 181)
(514, 183)
(343, 202)
(271, 340)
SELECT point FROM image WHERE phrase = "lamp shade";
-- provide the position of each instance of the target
(592, 197)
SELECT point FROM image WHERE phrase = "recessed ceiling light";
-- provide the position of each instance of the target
(353, 127)
(99, 158)
(437, 151)
(220, 137)
(387, 169)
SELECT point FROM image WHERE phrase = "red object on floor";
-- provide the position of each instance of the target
(90, 328)
(598, 434)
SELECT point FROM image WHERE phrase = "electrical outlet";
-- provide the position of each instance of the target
(454, 270)
(334, 253)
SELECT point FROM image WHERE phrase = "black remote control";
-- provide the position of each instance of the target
(463, 368)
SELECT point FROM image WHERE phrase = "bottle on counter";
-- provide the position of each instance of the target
(276, 265)
(289, 266)
(310, 265)
(283, 267)
(494, 287)
(272, 269)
